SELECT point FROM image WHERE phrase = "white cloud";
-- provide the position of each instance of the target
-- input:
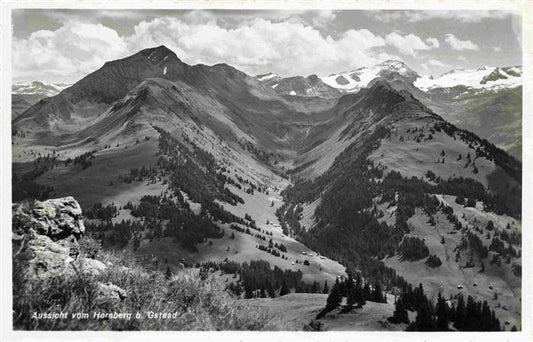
(322, 18)
(73, 49)
(254, 46)
(410, 43)
(433, 42)
(462, 58)
(434, 62)
(458, 44)
(464, 16)
(260, 45)
(497, 49)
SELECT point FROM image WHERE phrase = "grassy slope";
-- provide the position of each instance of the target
(243, 247)
(492, 114)
(414, 159)
(450, 274)
(200, 304)
(92, 185)
(293, 311)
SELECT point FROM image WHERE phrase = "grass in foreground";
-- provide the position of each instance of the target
(199, 304)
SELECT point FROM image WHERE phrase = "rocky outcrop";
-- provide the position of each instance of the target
(45, 238)
(108, 294)
(48, 232)
(86, 266)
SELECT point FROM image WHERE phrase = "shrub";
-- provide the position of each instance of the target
(433, 261)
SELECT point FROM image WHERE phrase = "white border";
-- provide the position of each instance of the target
(524, 7)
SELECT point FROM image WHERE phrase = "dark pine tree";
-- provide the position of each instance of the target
(400, 313)
(377, 294)
(442, 314)
(424, 319)
(334, 298)
(360, 298)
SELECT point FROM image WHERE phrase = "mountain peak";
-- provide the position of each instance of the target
(393, 62)
(380, 89)
(354, 80)
(159, 54)
(380, 83)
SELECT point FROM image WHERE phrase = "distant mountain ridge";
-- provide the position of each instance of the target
(311, 85)
(481, 78)
(24, 95)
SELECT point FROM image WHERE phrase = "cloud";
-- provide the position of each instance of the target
(322, 18)
(462, 58)
(464, 16)
(260, 45)
(433, 42)
(434, 62)
(458, 44)
(410, 43)
(73, 49)
(254, 46)
(497, 49)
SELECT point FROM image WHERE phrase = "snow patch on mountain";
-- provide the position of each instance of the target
(269, 76)
(354, 80)
(481, 78)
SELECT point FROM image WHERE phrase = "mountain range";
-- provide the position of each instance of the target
(24, 95)
(375, 172)
(486, 101)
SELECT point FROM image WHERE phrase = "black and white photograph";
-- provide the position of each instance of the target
(292, 167)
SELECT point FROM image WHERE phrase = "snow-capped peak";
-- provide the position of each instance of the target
(356, 79)
(485, 77)
(267, 77)
(38, 88)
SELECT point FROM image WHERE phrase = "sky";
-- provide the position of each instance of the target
(63, 46)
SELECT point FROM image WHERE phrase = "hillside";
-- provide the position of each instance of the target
(294, 311)
(378, 188)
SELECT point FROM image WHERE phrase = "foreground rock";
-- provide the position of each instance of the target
(109, 294)
(47, 232)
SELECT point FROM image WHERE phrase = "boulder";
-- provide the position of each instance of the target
(59, 218)
(86, 266)
(47, 232)
(108, 294)
(45, 258)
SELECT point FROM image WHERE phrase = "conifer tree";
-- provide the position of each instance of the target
(334, 298)
(359, 295)
(400, 312)
(284, 289)
(377, 295)
(442, 314)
